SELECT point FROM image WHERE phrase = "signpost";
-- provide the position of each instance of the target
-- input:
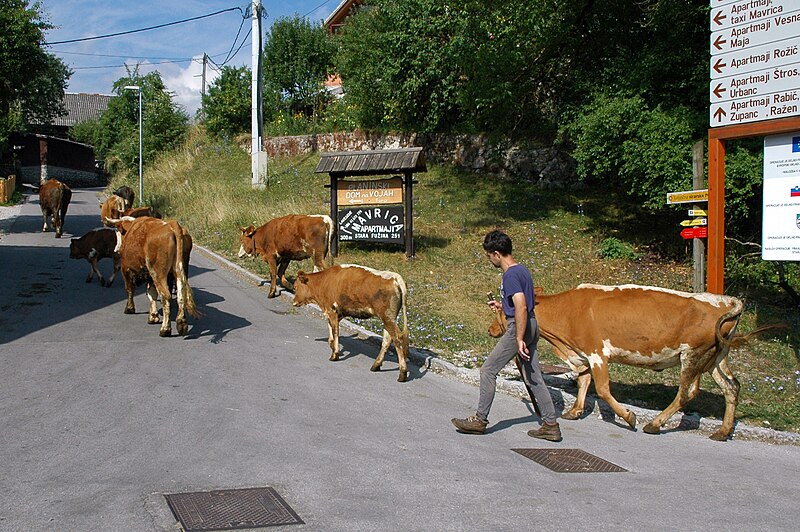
(689, 196)
(696, 221)
(754, 91)
(694, 232)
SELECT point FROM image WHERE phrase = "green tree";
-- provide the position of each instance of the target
(298, 57)
(164, 123)
(32, 81)
(400, 63)
(226, 106)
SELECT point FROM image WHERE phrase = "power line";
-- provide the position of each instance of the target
(148, 28)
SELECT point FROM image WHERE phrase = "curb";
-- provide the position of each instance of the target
(430, 361)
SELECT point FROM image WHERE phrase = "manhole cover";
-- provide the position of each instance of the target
(570, 461)
(231, 509)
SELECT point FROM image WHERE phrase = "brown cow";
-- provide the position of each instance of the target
(95, 245)
(293, 237)
(359, 292)
(54, 197)
(646, 327)
(153, 250)
(125, 192)
(115, 208)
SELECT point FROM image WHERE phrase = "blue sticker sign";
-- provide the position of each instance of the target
(795, 144)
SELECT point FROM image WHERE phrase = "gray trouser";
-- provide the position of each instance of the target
(502, 354)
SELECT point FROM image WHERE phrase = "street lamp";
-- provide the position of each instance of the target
(139, 89)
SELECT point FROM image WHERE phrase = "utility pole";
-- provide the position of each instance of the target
(258, 156)
(203, 87)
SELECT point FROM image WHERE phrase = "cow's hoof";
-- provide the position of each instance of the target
(651, 428)
(183, 328)
(165, 333)
(272, 295)
(130, 310)
(375, 367)
(334, 357)
(89, 280)
(572, 414)
(403, 377)
(58, 235)
(631, 419)
(152, 320)
(719, 436)
(103, 282)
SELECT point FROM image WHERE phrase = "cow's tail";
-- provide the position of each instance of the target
(734, 313)
(330, 235)
(180, 273)
(403, 307)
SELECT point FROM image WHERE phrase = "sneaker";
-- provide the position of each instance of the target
(546, 432)
(471, 425)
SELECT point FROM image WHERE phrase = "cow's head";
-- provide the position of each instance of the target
(302, 292)
(248, 245)
(75, 249)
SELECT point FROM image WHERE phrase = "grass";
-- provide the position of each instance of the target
(560, 235)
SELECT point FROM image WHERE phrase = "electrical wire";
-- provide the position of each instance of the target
(148, 28)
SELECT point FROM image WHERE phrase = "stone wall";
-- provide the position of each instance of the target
(545, 165)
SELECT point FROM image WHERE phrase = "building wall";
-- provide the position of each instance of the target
(44, 157)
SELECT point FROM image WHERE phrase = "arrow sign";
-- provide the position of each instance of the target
(697, 212)
(689, 196)
(696, 221)
(694, 232)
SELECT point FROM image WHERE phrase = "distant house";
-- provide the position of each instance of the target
(336, 19)
(47, 152)
(80, 106)
(333, 24)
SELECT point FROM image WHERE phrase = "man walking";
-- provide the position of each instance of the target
(517, 302)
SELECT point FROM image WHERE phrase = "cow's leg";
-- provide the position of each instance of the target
(130, 288)
(152, 296)
(690, 374)
(282, 265)
(391, 332)
(730, 387)
(116, 260)
(333, 334)
(319, 259)
(601, 384)
(92, 264)
(44, 216)
(387, 339)
(584, 380)
(165, 293)
(57, 222)
(180, 321)
(273, 276)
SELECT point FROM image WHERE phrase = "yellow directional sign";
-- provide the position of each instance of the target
(689, 196)
(697, 212)
(696, 221)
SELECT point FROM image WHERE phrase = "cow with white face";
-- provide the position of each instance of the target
(647, 327)
(349, 290)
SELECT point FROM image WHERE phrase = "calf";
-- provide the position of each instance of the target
(54, 197)
(152, 251)
(359, 292)
(646, 327)
(115, 208)
(126, 193)
(94, 246)
(293, 237)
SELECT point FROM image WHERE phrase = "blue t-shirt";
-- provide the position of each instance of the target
(516, 279)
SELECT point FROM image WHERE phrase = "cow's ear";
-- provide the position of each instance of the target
(538, 290)
(302, 277)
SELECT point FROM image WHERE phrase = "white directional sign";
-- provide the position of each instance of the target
(738, 12)
(755, 60)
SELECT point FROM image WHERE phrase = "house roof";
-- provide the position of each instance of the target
(375, 162)
(82, 106)
(342, 11)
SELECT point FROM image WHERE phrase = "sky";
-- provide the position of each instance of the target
(176, 51)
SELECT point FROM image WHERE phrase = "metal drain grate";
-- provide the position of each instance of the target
(231, 509)
(570, 461)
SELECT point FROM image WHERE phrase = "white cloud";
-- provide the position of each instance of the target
(185, 84)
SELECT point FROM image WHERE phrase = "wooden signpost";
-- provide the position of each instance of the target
(373, 210)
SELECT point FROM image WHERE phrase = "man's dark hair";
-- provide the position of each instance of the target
(497, 241)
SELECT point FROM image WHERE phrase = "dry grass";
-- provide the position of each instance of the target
(556, 234)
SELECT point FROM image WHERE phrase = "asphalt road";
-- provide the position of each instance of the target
(100, 417)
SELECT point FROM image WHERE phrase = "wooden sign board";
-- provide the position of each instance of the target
(370, 192)
(372, 224)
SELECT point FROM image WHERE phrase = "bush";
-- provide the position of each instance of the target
(614, 248)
